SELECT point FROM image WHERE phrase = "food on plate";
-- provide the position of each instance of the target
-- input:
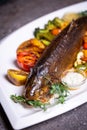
(71, 80)
(44, 80)
(28, 53)
(17, 77)
(51, 29)
(80, 64)
(57, 58)
(85, 40)
(73, 15)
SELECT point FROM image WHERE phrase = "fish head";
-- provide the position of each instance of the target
(38, 85)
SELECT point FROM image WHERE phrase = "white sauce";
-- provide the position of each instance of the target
(73, 79)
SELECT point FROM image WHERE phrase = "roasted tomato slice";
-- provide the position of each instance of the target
(28, 53)
(26, 60)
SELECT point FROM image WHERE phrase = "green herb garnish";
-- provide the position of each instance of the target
(83, 13)
(34, 103)
(60, 89)
(81, 66)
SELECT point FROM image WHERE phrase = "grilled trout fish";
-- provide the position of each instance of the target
(58, 57)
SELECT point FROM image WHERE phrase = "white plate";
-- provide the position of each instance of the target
(19, 116)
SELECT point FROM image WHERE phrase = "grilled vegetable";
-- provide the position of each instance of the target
(46, 42)
(29, 45)
(85, 41)
(60, 23)
(70, 16)
(51, 29)
(50, 25)
(28, 53)
(26, 60)
(17, 77)
(56, 31)
(43, 34)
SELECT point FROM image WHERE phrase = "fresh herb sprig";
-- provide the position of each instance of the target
(60, 89)
(83, 13)
(34, 103)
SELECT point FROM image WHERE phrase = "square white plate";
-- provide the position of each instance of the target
(19, 116)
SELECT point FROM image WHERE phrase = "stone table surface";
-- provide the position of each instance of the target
(13, 15)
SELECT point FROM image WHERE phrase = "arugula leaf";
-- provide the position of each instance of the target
(60, 89)
(18, 99)
(35, 103)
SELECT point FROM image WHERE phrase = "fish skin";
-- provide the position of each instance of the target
(58, 57)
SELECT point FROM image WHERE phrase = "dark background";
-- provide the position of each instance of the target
(13, 15)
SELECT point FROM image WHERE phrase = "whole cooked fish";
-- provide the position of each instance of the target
(58, 57)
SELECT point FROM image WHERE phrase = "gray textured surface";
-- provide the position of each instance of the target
(13, 15)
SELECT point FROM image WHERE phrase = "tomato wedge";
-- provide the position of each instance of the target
(26, 60)
(28, 53)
